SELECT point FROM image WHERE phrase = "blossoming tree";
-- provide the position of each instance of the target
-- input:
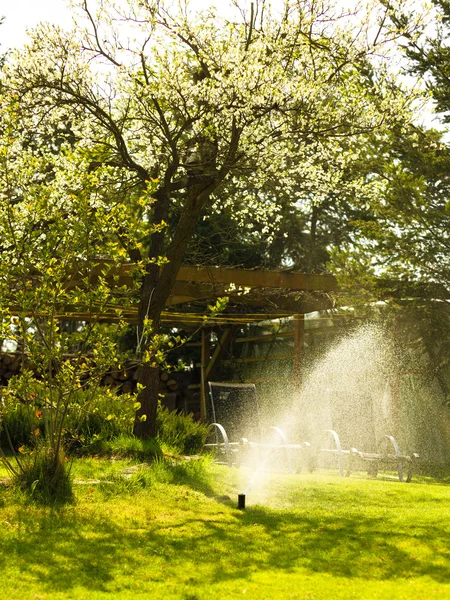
(177, 105)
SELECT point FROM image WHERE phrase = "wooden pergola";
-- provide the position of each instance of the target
(270, 294)
(269, 291)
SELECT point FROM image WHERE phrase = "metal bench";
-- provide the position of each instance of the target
(237, 453)
(347, 460)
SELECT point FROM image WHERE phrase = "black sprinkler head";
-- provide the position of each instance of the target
(241, 501)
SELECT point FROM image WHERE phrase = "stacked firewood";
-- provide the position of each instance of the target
(10, 365)
(123, 380)
(167, 383)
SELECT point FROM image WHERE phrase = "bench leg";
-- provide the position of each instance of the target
(312, 463)
(372, 470)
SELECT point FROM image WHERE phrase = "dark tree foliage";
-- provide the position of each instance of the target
(430, 55)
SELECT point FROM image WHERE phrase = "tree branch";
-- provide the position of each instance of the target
(99, 46)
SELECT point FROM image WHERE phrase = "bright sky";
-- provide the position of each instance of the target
(22, 14)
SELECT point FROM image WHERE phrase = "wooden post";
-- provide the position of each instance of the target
(224, 341)
(299, 347)
(206, 352)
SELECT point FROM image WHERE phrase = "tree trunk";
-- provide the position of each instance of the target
(148, 376)
(158, 283)
(155, 291)
(148, 373)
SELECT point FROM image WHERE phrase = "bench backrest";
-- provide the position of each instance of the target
(235, 407)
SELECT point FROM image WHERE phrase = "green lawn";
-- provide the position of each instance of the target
(176, 533)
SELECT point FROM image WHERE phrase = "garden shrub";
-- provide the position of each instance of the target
(102, 425)
(107, 416)
(180, 432)
(107, 430)
(20, 422)
(102, 418)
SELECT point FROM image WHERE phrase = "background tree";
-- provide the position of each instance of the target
(306, 229)
(255, 105)
(404, 235)
(428, 51)
(398, 251)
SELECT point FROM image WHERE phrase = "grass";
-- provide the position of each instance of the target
(127, 446)
(173, 532)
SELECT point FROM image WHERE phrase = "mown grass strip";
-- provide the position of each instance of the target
(175, 532)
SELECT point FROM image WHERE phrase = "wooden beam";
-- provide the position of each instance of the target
(263, 338)
(271, 279)
(204, 283)
(219, 351)
(184, 292)
(175, 300)
(255, 359)
(243, 277)
(197, 290)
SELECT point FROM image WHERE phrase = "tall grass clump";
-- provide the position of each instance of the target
(45, 476)
(180, 432)
(129, 446)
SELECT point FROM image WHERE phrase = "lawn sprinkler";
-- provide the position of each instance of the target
(241, 501)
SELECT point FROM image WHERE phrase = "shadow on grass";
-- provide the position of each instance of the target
(67, 549)
(353, 546)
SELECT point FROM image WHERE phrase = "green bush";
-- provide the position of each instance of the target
(180, 432)
(20, 422)
(103, 424)
(88, 420)
(107, 416)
